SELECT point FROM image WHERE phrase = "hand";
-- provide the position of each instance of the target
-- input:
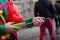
(10, 28)
(38, 20)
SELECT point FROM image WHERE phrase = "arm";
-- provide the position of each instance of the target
(52, 10)
(27, 23)
(30, 22)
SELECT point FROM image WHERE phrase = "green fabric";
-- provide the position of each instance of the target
(29, 23)
(27, 20)
(2, 29)
(19, 25)
(5, 0)
(0, 16)
(5, 10)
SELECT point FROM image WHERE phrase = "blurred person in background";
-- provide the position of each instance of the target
(57, 15)
(44, 8)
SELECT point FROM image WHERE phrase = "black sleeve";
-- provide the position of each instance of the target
(35, 10)
(57, 6)
(52, 10)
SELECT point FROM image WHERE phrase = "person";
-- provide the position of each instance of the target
(7, 30)
(44, 8)
(57, 18)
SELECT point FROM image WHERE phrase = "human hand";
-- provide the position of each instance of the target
(38, 20)
(10, 28)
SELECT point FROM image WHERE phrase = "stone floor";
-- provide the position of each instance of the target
(58, 37)
(48, 38)
(33, 34)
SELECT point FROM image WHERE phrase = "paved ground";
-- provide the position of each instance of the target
(57, 37)
(33, 34)
(29, 33)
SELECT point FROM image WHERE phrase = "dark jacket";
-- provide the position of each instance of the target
(44, 8)
(57, 6)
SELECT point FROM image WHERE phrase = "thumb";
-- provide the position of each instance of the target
(10, 23)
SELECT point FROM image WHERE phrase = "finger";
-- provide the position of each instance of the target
(40, 17)
(10, 23)
(41, 20)
(35, 22)
(38, 20)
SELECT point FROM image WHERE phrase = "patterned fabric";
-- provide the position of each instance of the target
(7, 36)
(2, 17)
(5, 13)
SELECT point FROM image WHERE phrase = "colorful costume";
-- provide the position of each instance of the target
(10, 14)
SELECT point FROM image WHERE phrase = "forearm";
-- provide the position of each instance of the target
(27, 23)
(2, 29)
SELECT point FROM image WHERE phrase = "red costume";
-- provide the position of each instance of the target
(11, 16)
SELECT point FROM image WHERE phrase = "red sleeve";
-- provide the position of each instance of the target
(1, 22)
(13, 15)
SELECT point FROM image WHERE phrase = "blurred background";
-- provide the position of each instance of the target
(26, 9)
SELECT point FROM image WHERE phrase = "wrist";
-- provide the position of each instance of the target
(28, 22)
